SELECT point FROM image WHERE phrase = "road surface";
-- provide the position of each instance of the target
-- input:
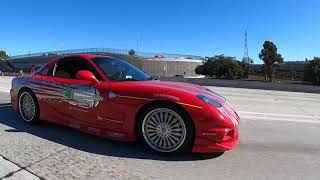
(279, 139)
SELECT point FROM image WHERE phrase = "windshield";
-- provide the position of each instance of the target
(119, 70)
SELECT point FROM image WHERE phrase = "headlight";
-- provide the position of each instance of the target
(209, 100)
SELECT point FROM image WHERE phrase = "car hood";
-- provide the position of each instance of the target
(174, 87)
(157, 87)
(177, 86)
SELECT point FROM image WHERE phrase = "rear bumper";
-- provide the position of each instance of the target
(216, 140)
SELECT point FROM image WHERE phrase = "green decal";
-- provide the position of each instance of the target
(68, 93)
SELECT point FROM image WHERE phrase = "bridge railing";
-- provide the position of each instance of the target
(108, 50)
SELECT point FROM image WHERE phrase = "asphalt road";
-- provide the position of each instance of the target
(279, 139)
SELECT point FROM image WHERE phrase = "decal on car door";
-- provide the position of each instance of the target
(80, 95)
(84, 96)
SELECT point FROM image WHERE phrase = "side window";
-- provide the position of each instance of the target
(42, 71)
(68, 68)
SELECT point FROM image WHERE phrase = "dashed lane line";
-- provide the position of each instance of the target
(274, 114)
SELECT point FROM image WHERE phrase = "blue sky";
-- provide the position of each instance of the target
(199, 27)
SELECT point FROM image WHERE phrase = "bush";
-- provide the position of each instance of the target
(3, 55)
(132, 52)
(312, 72)
(223, 67)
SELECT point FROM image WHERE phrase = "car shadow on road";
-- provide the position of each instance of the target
(86, 142)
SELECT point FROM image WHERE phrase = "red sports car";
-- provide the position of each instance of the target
(110, 98)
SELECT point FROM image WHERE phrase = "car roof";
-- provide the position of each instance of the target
(85, 56)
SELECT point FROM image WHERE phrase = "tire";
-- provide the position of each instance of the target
(166, 128)
(29, 108)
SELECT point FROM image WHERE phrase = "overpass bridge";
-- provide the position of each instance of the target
(155, 64)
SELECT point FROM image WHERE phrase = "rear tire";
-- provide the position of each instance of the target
(166, 128)
(29, 107)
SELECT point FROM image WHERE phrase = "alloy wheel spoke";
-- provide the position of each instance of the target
(151, 131)
(175, 126)
(168, 142)
(154, 120)
(170, 118)
(173, 121)
(176, 134)
(153, 137)
(176, 130)
(161, 118)
(160, 142)
(173, 138)
(158, 118)
(165, 117)
(151, 123)
(157, 139)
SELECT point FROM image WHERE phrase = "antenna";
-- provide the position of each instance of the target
(246, 58)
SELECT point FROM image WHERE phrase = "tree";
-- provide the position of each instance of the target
(271, 58)
(3, 55)
(312, 71)
(222, 67)
(132, 52)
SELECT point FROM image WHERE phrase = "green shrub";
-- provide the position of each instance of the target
(222, 67)
(312, 72)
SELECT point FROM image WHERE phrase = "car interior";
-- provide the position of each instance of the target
(68, 68)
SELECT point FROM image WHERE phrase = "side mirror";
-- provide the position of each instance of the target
(88, 76)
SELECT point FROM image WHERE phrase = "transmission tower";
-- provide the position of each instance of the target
(246, 58)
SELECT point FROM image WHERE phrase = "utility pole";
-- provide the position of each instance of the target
(138, 42)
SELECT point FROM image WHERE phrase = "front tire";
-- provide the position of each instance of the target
(29, 107)
(166, 128)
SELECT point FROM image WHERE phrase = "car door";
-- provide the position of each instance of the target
(79, 104)
(74, 102)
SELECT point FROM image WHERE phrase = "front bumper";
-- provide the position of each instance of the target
(217, 130)
(216, 140)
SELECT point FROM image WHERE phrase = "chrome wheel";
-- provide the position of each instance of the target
(164, 130)
(27, 106)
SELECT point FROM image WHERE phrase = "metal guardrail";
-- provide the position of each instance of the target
(107, 50)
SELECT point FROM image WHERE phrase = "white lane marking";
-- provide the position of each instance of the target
(254, 118)
(4, 89)
(273, 114)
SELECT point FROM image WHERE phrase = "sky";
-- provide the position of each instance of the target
(196, 27)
